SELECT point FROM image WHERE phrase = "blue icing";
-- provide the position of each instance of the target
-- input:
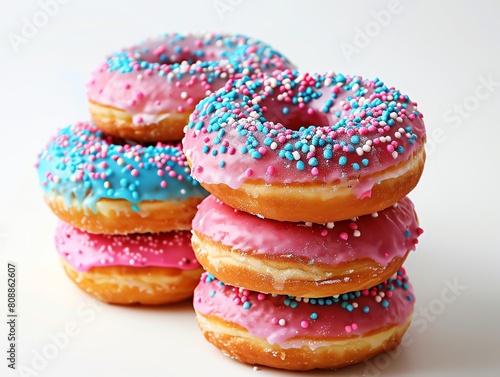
(82, 163)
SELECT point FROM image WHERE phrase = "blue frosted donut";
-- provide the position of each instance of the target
(105, 185)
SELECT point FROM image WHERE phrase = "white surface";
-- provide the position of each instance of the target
(437, 52)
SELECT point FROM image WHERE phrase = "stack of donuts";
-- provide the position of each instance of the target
(308, 222)
(120, 183)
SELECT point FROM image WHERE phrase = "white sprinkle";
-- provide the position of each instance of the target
(330, 225)
(375, 214)
(359, 151)
(356, 233)
(296, 155)
(397, 135)
(184, 95)
(282, 322)
(274, 145)
(394, 154)
(309, 224)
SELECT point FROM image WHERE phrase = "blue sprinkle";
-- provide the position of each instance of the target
(246, 305)
(135, 208)
(355, 166)
(285, 110)
(385, 303)
(313, 161)
(342, 160)
(366, 309)
(365, 162)
(301, 165)
(313, 315)
(222, 164)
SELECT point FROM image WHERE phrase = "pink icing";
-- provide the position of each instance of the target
(360, 142)
(181, 79)
(83, 250)
(382, 236)
(293, 322)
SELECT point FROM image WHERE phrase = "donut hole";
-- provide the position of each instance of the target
(188, 49)
(293, 117)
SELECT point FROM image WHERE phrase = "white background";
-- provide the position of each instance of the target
(441, 53)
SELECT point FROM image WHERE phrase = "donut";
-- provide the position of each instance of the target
(304, 260)
(147, 91)
(108, 186)
(294, 333)
(306, 147)
(149, 269)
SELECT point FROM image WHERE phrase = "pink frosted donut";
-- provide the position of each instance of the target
(300, 147)
(306, 260)
(147, 91)
(149, 269)
(294, 333)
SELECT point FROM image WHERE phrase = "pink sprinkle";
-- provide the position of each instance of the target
(274, 321)
(139, 96)
(354, 326)
(163, 184)
(262, 150)
(353, 226)
(344, 236)
(324, 232)
(134, 173)
(190, 101)
(237, 300)
(160, 173)
(314, 171)
(270, 170)
(127, 86)
(139, 120)
(388, 294)
(304, 324)
(348, 328)
(180, 109)
(249, 172)
(159, 50)
(261, 296)
(310, 111)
